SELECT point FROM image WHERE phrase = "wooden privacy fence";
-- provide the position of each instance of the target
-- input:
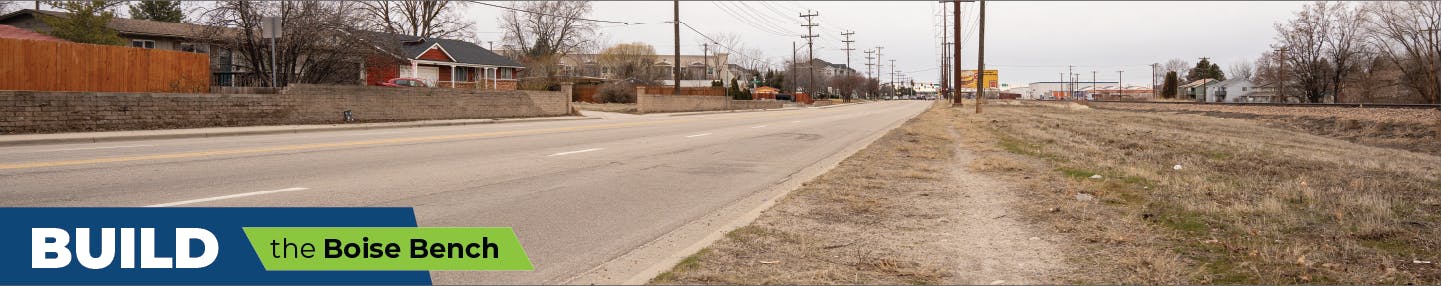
(666, 90)
(63, 66)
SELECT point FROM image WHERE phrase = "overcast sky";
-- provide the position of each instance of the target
(1026, 41)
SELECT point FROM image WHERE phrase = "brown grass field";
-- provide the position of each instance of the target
(1256, 200)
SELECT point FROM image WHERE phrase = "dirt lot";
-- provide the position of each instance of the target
(1064, 193)
(1408, 129)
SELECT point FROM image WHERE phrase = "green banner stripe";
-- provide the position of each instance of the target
(388, 248)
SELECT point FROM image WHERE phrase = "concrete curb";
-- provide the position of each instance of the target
(726, 111)
(282, 129)
(839, 105)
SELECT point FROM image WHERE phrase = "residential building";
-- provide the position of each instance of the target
(1230, 90)
(829, 69)
(146, 34)
(443, 63)
(1196, 89)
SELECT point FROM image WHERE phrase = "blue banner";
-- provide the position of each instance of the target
(40, 245)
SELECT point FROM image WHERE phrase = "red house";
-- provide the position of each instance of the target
(443, 63)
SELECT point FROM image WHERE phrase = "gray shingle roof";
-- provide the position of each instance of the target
(132, 26)
(461, 51)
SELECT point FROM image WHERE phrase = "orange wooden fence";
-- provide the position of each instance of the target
(63, 66)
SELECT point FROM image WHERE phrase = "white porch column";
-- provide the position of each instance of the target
(452, 76)
(414, 70)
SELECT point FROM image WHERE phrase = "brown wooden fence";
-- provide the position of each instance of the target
(63, 66)
(666, 90)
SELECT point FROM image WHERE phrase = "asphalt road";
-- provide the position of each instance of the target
(578, 193)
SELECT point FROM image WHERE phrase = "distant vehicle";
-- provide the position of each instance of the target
(403, 82)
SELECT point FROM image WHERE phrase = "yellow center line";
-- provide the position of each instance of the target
(313, 146)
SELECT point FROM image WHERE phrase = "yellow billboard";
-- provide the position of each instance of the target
(968, 79)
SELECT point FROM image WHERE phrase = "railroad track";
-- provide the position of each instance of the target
(1347, 105)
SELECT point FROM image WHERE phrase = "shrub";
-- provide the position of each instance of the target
(616, 92)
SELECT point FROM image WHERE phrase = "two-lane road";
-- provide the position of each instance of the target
(578, 193)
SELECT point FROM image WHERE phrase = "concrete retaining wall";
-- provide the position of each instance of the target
(654, 103)
(37, 112)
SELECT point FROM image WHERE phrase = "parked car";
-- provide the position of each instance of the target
(404, 82)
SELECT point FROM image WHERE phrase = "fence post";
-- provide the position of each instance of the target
(568, 89)
(640, 99)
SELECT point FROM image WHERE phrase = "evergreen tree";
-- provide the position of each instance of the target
(737, 93)
(1168, 89)
(163, 11)
(87, 23)
(1205, 69)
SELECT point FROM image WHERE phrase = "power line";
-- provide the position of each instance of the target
(552, 15)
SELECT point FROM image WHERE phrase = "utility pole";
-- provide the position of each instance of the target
(705, 60)
(956, 53)
(1154, 66)
(868, 71)
(675, 67)
(811, 51)
(848, 48)
(792, 79)
(1071, 85)
(879, 66)
(1281, 85)
(893, 73)
(1120, 85)
(981, 59)
(945, 47)
(1205, 83)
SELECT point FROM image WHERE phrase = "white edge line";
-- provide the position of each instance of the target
(759, 126)
(186, 202)
(697, 135)
(573, 152)
(797, 121)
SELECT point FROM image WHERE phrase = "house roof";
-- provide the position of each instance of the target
(1198, 82)
(129, 26)
(460, 51)
(12, 32)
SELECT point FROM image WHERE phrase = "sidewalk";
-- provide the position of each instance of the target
(92, 137)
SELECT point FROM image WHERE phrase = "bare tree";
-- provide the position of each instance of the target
(5, 6)
(548, 31)
(1344, 44)
(1181, 67)
(433, 19)
(631, 61)
(1242, 70)
(1303, 40)
(319, 45)
(1397, 31)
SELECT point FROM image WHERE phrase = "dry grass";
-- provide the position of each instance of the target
(607, 107)
(871, 220)
(1406, 129)
(1252, 204)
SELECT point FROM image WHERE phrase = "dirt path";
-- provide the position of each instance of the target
(994, 245)
(906, 210)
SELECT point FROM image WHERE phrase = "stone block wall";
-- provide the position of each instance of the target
(43, 112)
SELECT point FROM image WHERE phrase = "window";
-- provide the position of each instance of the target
(507, 73)
(194, 48)
(148, 44)
(1243, 88)
(461, 74)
